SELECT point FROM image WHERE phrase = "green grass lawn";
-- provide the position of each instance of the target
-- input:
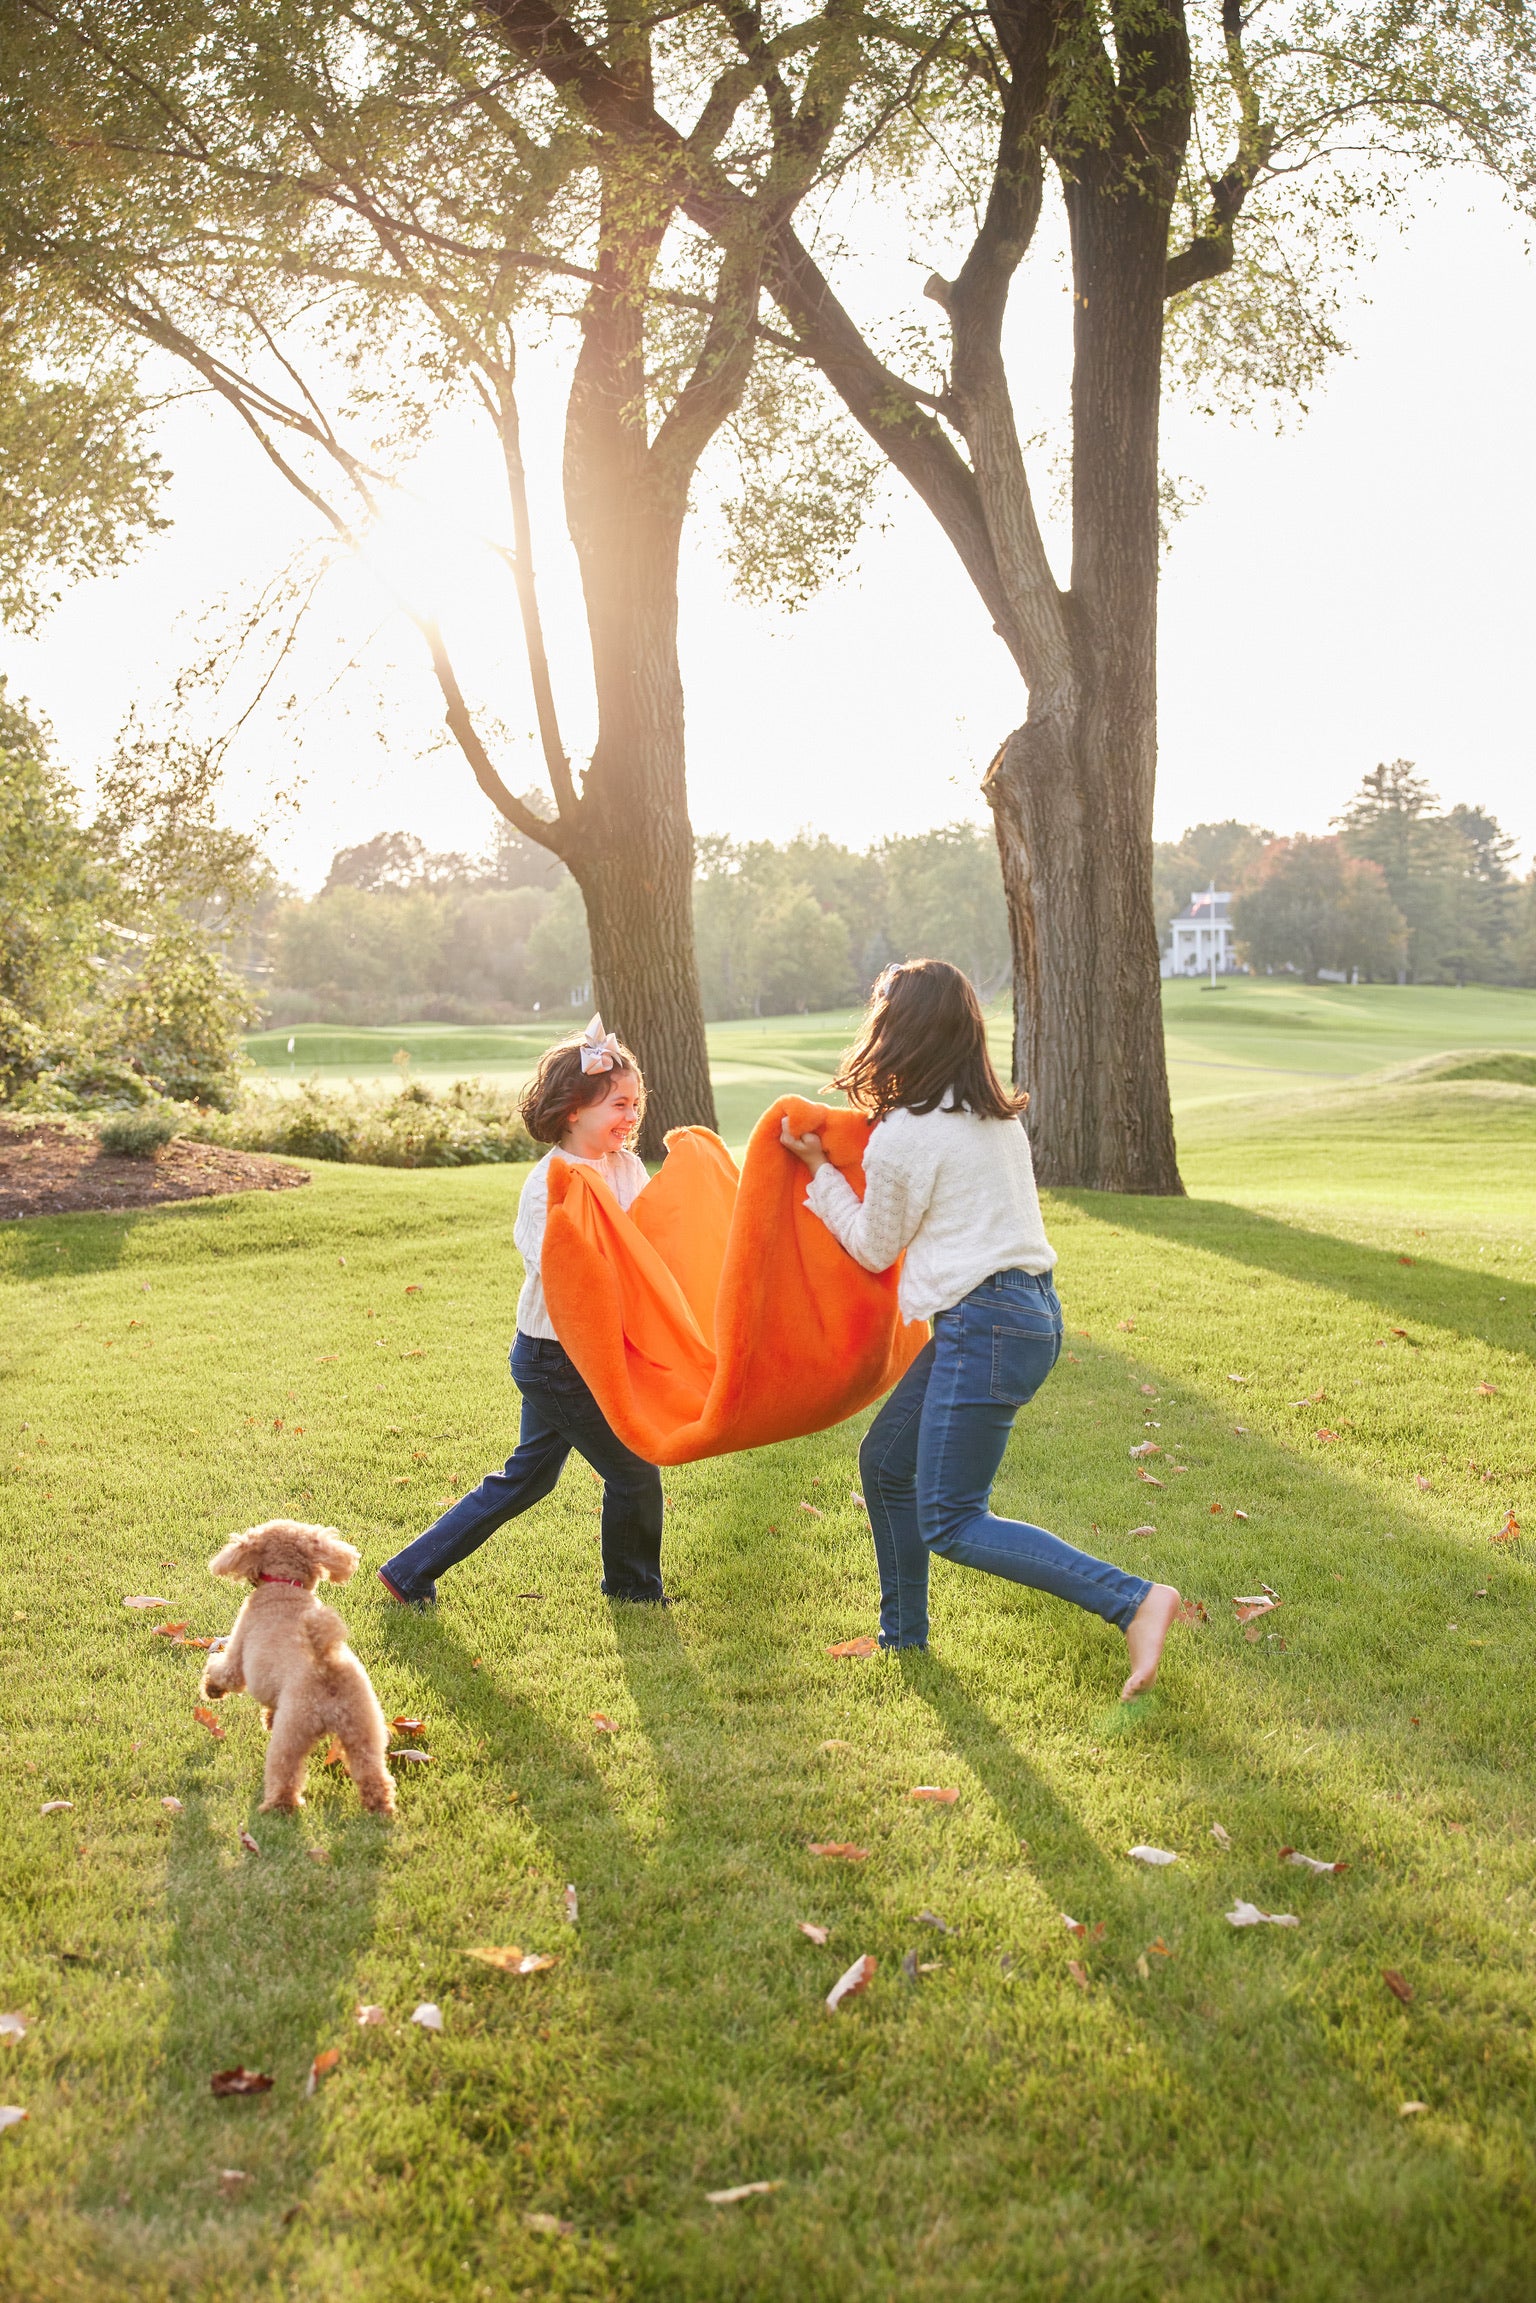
(1220, 2123)
(1250, 1035)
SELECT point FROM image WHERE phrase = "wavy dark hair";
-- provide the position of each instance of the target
(560, 1088)
(923, 1047)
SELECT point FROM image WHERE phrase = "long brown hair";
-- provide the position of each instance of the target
(923, 1045)
(559, 1089)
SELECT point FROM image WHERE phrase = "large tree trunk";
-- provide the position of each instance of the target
(1071, 791)
(635, 863)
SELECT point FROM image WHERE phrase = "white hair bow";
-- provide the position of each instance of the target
(600, 1051)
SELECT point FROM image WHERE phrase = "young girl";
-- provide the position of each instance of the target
(586, 1098)
(948, 1178)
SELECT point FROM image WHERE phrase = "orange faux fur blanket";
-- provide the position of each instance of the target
(720, 1313)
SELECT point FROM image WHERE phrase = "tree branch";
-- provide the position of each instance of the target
(1211, 252)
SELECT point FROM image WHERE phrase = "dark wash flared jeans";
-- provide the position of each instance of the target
(559, 1414)
(929, 1459)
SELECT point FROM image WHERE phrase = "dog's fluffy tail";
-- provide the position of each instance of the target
(326, 1633)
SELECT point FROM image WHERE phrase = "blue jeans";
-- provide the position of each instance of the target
(930, 1456)
(559, 1413)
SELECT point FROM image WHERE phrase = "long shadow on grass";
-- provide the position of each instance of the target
(1430, 1293)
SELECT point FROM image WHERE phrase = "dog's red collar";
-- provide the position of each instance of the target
(296, 1581)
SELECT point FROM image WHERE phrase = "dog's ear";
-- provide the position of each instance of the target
(336, 1560)
(238, 1558)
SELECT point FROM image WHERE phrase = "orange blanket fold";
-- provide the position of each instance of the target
(720, 1313)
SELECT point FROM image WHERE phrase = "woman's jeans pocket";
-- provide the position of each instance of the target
(1022, 1358)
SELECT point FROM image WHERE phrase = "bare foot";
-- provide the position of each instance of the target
(1144, 1636)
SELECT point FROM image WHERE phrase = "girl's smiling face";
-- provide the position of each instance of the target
(606, 1126)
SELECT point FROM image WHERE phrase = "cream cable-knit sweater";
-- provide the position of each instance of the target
(957, 1192)
(626, 1176)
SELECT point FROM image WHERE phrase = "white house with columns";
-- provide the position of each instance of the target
(1202, 938)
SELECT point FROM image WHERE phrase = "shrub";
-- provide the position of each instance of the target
(472, 1124)
(140, 1134)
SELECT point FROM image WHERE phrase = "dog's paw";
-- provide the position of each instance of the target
(285, 1803)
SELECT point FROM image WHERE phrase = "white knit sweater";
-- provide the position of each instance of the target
(956, 1192)
(626, 1176)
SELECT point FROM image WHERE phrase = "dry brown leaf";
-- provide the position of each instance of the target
(55, 1806)
(603, 1724)
(510, 1958)
(1239, 1515)
(325, 2061)
(933, 1792)
(851, 1982)
(740, 2191)
(1143, 1531)
(1407, 2110)
(1509, 1531)
(1421, 1483)
(1249, 1915)
(1221, 1835)
(811, 1510)
(1262, 1603)
(1078, 1973)
(926, 1918)
(855, 1647)
(335, 1756)
(318, 1854)
(834, 1743)
(1149, 1390)
(808, 1927)
(1126, 1326)
(1325, 1435)
(1397, 1983)
(208, 1719)
(1309, 1862)
(551, 2226)
(144, 1599)
(11, 2115)
(1191, 1611)
(409, 1726)
(170, 1630)
(1073, 1926)
(1142, 1969)
(1147, 1447)
(415, 1758)
(249, 1844)
(1489, 1390)
(232, 2181)
(1151, 1480)
(239, 2081)
(840, 1848)
(572, 1907)
(368, 2014)
(1159, 1949)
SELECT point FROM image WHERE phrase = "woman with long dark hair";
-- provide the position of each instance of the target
(950, 1185)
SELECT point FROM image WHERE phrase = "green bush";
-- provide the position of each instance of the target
(471, 1125)
(140, 1134)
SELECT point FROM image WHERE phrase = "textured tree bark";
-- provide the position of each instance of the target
(1071, 791)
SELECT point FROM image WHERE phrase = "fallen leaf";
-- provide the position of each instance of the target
(1215, 1508)
(232, 2181)
(1239, 1515)
(368, 2014)
(55, 1806)
(1325, 1435)
(1258, 1604)
(1143, 1531)
(1073, 1926)
(1150, 1478)
(1397, 1983)
(416, 1758)
(1237, 1379)
(1154, 1855)
(550, 2225)
(855, 1647)
(1509, 1531)
(239, 2081)
(1308, 1862)
(838, 1847)
(208, 1719)
(1159, 1949)
(604, 1725)
(1147, 1447)
(855, 1497)
(510, 1958)
(852, 1981)
(740, 2191)
(1126, 1326)
(1489, 1390)
(1421, 1483)
(572, 1907)
(932, 1791)
(204, 1644)
(909, 1965)
(11, 2115)
(413, 1287)
(809, 1928)
(1192, 1610)
(170, 1630)
(429, 2015)
(249, 1844)
(13, 2027)
(834, 1743)
(325, 2061)
(1407, 2110)
(327, 1358)
(318, 1854)
(1221, 1835)
(1149, 1391)
(143, 1600)
(409, 1726)
(1142, 1969)
(931, 1919)
(811, 1510)
(1249, 1915)
(1078, 1973)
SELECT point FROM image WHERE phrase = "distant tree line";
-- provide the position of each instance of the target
(1400, 891)
(399, 933)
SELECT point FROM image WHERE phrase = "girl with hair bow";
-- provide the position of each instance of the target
(586, 1100)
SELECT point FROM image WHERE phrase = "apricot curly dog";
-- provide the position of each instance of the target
(291, 1654)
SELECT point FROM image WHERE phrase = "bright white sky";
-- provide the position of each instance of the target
(1357, 589)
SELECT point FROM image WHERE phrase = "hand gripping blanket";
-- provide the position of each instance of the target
(720, 1313)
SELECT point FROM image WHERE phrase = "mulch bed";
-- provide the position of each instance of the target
(47, 1169)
